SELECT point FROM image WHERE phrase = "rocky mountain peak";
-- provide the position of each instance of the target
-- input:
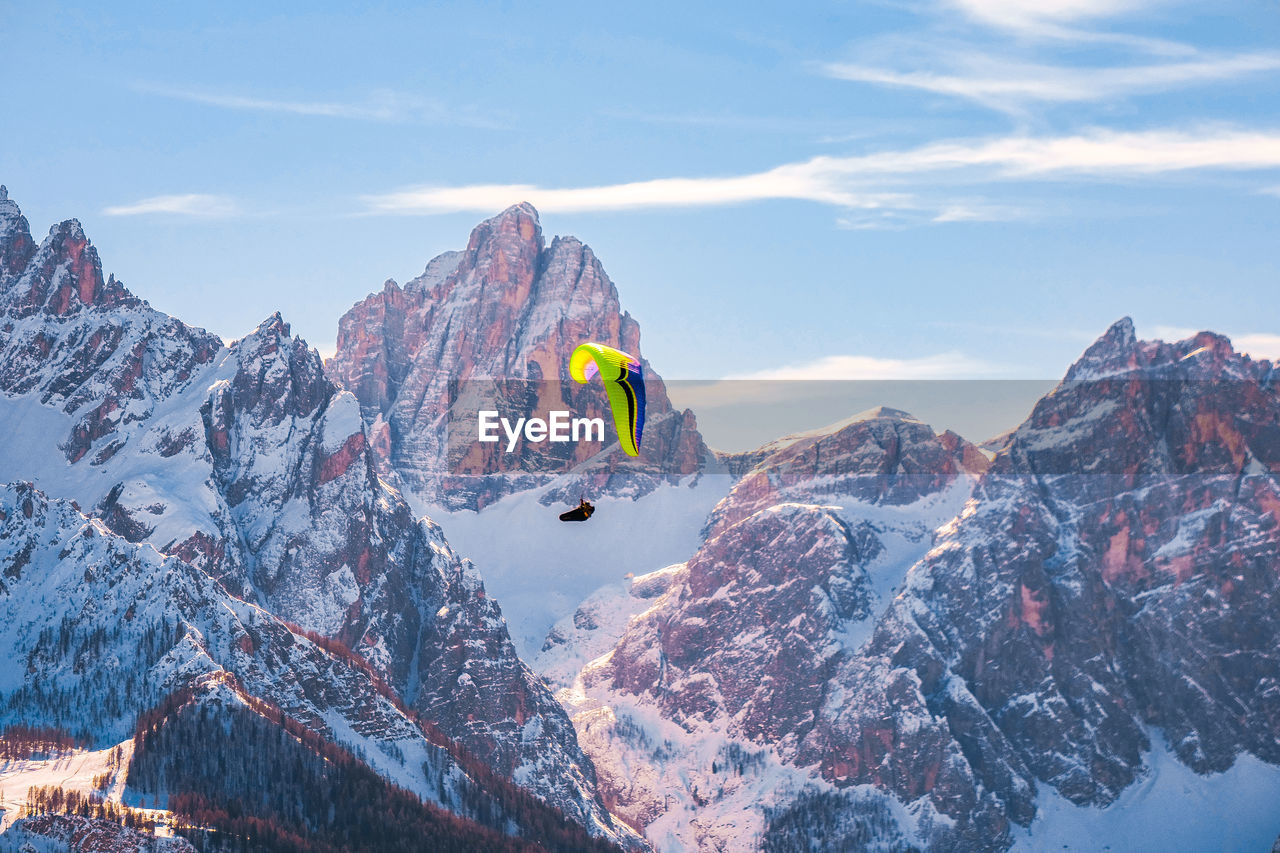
(278, 379)
(512, 238)
(887, 412)
(510, 308)
(274, 325)
(62, 275)
(16, 245)
(1115, 351)
(881, 456)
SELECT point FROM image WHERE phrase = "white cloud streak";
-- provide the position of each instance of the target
(1259, 345)
(949, 365)
(380, 106)
(1045, 17)
(190, 204)
(1065, 20)
(385, 111)
(1255, 344)
(794, 181)
(874, 182)
(1010, 85)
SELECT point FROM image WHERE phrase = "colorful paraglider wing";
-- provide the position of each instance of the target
(623, 380)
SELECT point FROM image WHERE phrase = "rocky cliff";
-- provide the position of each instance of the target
(498, 321)
(1111, 581)
(246, 462)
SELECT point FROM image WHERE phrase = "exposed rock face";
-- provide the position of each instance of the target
(82, 344)
(248, 463)
(747, 642)
(509, 308)
(16, 245)
(1133, 575)
(106, 629)
(782, 582)
(1113, 574)
(883, 456)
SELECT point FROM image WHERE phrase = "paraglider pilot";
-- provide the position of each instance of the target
(579, 513)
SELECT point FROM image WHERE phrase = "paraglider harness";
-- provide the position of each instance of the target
(579, 513)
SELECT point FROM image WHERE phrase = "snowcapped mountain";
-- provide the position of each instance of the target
(729, 660)
(106, 634)
(867, 636)
(508, 308)
(248, 464)
(1103, 598)
(105, 629)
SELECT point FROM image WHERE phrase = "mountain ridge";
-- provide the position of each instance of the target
(1106, 578)
(881, 635)
(246, 461)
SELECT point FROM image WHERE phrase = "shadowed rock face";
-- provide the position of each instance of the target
(748, 631)
(511, 308)
(83, 344)
(779, 583)
(1114, 573)
(248, 463)
(108, 630)
(884, 456)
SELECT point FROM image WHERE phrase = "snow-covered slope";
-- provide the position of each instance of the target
(249, 464)
(1111, 575)
(541, 568)
(62, 833)
(98, 630)
(1169, 807)
(700, 680)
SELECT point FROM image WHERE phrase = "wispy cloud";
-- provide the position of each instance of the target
(382, 106)
(1010, 85)
(916, 211)
(1051, 18)
(980, 212)
(1073, 23)
(797, 181)
(190, 204)
(827, 128)
(1014, 13)
(948, 365)
(882, 181)
(1259, 345)
(1256, 344)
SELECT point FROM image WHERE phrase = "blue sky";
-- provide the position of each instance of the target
(907, 189)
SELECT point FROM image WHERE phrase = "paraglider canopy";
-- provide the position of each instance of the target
(623, 380)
